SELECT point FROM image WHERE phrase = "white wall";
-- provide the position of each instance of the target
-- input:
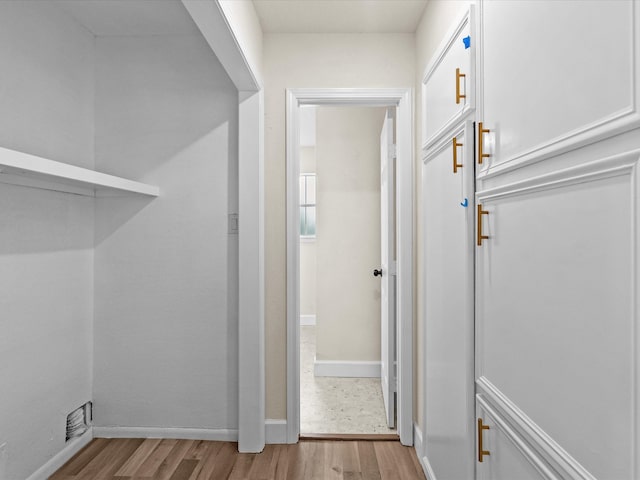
(348, 238)
(46, 239)
(166, 270)
(297, 61)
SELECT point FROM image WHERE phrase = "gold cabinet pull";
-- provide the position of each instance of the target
(481, 132)
(458, 77)
(456, 165)
(479, 229)
(481, 451)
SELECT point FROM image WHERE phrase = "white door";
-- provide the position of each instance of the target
(448, 196)
(387, 270)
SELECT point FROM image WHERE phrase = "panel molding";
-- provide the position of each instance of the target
(623, 164)
(522, 427)
(613, 166)
(615, 123)
(466, 18)
(517, 441)
(443, 143)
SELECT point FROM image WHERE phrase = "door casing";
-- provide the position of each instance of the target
(401, 98)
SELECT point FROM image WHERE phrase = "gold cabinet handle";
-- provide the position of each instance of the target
(481, 451)
(481, 132)
(456, 165)
(458, 77)
(479, 229)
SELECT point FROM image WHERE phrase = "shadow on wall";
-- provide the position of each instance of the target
(167, 118)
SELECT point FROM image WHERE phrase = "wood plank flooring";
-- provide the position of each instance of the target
(138, 459)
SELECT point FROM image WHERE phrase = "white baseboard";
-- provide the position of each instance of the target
(307, 319)
(417, 440)
(420, 453)
(428, 469)
(71, 448)
(215, 434)
(331, 368)
(275, 431)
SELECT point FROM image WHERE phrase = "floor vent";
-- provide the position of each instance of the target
(78, 421)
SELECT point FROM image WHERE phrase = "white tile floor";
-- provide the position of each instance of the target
(337, 405)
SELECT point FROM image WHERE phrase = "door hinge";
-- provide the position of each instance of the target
(233, 223)
(392, 151)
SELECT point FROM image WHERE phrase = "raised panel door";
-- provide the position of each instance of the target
(448, 298)
(556, 75)
(448, 89)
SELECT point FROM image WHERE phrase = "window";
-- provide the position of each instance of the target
(308, 205)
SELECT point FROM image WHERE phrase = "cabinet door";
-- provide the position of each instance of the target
(507, 456)
(557, 74)
(449, 227)
(557, 310)
(448, 90)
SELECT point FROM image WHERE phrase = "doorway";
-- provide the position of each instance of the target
(400, 100)
(340, 247)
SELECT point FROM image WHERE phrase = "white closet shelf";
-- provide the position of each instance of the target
(19, 168)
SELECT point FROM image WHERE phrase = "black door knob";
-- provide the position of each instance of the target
(377, 272)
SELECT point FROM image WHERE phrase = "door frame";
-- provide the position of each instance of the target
(401, 98)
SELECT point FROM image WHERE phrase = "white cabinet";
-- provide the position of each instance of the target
(504, 455)
(554, 226)
(448, 236)
(556, 75)
(556, 315)
(448, 89)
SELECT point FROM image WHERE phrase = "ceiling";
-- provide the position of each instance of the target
(339, 16)
(131, 17)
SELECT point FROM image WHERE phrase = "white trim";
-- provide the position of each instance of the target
(276, 431)
(213, 434)
(210, 19)
(419, 447)
(428, 469)
(524, 448)
(616, 165)
(307, 320)
(251, 344)
(63, 456)
(346, 368)
(527, 429)
(384, 97)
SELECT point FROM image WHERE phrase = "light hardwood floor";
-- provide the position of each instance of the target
(129, 459)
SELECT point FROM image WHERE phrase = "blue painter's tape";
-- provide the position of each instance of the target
(467, 41)
(465, 204)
